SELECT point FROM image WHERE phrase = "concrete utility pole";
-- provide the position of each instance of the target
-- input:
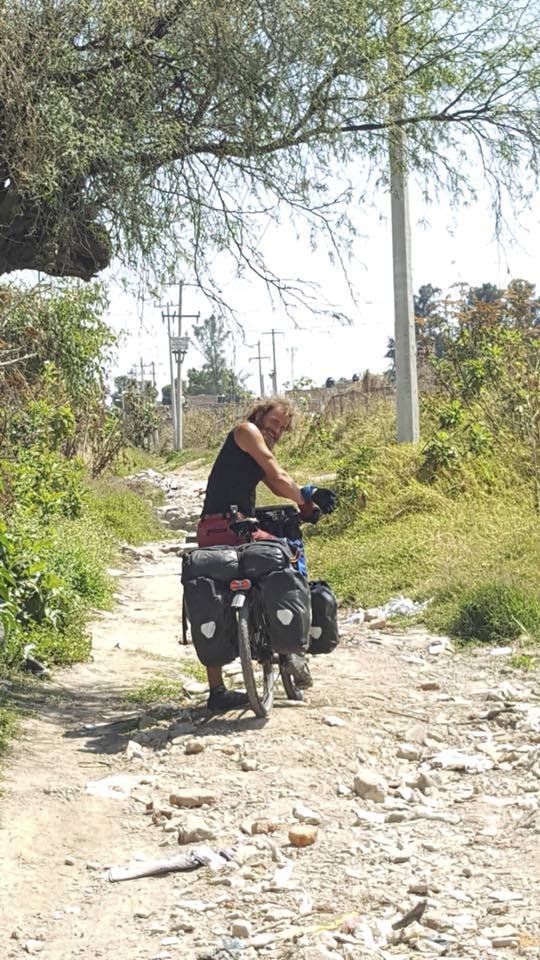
(178, 347)
(292, 351)
(260, 358)
(408, 427)
(179, 358)
(408, 420)
(273, 333)
(166, 317)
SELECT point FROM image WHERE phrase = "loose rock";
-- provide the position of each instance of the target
(191, 798)
(302, 836)
(370, 785)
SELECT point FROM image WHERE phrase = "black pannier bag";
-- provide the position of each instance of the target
(286, 605)
(212, 621)
(216, 563)
(263, 557)
(323, 633)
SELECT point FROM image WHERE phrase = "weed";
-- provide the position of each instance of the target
(192, 668)
(493, 612)
(9, 725)
(523, 661)
(158, 689)
(120, 512)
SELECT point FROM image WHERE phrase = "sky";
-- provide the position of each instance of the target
(448, 247)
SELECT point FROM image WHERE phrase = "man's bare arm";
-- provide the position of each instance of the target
(250, 439)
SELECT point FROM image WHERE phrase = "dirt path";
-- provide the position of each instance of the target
(461, 847)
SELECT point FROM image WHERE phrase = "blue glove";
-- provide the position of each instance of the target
(320, 496)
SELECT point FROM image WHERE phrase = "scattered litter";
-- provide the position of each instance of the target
(117, 786)
(200, 857)
(282, 876)
(399, 606)
(357, 617)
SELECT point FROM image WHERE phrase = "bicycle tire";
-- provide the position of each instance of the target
(292, 692)
(261, 704)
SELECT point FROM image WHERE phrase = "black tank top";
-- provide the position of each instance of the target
(233, 479)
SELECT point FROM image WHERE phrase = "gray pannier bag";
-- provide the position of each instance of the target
(323, 633)
(285, 600)
(217, 563)
(207, 606)
(259, 559)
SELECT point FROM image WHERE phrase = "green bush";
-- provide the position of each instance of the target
(493, 612)
(44, 483)
(8, 726)
(122, 513)
(79, 552)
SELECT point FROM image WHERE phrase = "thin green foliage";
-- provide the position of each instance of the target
(158, 689)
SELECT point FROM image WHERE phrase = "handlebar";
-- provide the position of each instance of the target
(282, 520)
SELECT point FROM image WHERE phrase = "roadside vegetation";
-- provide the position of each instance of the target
(64, 509)
(456, 517)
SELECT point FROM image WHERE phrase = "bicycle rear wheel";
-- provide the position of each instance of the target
(260, 690)
(292, 692)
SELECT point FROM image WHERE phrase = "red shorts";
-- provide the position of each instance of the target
(213, 530)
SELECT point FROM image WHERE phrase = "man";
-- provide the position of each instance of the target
(244, 460)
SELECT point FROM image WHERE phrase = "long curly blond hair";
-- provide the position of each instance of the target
(260, 409)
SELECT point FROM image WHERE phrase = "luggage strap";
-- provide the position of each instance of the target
(185, 638)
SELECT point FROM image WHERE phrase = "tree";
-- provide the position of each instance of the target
(429, 320)
(165, 130)
(212, 337)
(489, 375)
(215, 377)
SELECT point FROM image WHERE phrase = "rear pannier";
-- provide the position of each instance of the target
(286, 604)
(323, 633)
(212, 621)
(216, 563)
(263, 557)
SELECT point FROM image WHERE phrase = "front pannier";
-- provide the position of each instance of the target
(287, 610)
(212, 621)
(259, 559)
(215, 563)
(323, 633)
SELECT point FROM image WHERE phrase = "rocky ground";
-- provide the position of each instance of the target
(395, 813)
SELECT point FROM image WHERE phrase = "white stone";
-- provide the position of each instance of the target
(305, 815)
(370, 785)
(332, 721)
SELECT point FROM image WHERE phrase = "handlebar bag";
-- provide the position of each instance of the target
(285, 599)
(263, 557)
(217, 563)
(323, 632)
(212, 621)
